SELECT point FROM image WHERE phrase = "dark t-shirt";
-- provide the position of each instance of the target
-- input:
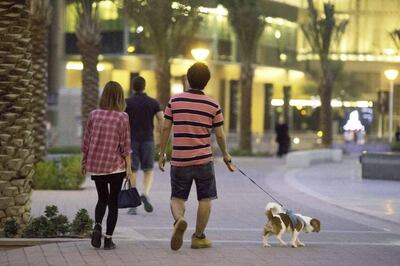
(141, 110)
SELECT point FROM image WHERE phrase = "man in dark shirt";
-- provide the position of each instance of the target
(141, 110)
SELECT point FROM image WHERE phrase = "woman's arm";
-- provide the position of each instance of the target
(129, 174)
(126, 149)
(85, 144)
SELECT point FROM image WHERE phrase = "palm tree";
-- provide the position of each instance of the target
(248, 24)
(346, 86)
(395, 34)
(321, 32)
(89, 41)
(168, 24)
(40, 22)
(16, 119)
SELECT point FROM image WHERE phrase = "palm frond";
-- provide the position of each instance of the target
(395, 34)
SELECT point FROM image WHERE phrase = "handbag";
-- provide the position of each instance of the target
(128, 197)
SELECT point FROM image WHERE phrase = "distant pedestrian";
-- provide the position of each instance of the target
(141, 110)
(282, 137)
(397, 134)
(193, 115)
(106, 156)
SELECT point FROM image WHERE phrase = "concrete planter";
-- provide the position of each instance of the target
(384, 166)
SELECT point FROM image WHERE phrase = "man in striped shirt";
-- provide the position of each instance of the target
(193, 115)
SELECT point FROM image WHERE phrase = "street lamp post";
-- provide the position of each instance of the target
(391, 75)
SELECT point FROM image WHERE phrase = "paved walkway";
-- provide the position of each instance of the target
(342, 185)
(348, 237)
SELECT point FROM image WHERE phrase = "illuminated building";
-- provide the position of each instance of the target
(283, 57)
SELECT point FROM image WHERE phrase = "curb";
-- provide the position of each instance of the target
(26, 242)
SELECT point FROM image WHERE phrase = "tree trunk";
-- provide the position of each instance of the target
(39, 82)
(16, 119)
(246, 82)
(90, 80)
(163, 77)
(326, 112)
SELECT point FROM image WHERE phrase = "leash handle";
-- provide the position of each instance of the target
(272, 197)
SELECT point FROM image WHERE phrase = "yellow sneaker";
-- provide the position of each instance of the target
(200, 242)
(177, 235)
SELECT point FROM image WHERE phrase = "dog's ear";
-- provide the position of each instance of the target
(269, 214)
(316, 224)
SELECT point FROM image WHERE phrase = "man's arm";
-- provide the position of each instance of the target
(221, 140)
(165, 132)
(160, 122)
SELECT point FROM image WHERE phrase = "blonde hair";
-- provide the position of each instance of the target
(112, 97)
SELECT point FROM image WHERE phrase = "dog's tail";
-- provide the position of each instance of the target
(272, 209)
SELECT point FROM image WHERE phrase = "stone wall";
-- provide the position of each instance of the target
(15, 201)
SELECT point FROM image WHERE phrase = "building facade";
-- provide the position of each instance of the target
(283, 64)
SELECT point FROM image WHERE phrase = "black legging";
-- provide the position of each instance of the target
(108, 198)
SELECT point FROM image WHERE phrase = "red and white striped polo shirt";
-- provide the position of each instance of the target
(193, 115)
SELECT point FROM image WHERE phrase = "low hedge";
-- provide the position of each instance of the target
(240, 152)
(51, 224)
(396, 146)
(64, 150)
(64, 174)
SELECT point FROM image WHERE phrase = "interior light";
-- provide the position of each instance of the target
(277, 34)
(139, 29)
(283, 57)
(131, 49)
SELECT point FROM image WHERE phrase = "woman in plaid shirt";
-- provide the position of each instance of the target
(106, 150)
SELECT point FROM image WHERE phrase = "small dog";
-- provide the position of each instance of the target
(281, 221)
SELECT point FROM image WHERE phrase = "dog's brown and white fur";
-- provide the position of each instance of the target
(279, 222)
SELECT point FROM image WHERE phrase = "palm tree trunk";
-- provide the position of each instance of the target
(246, 81)
(16, 119)
(40, 27)
(325, 93)
(163, 77)
(90, 80)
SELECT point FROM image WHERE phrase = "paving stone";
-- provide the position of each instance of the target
(236, 222)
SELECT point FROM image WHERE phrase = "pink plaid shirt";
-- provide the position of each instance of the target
(106, 142)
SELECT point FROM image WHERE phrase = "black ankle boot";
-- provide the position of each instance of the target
(96, 236)
(108, 243)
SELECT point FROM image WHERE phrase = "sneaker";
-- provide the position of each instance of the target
(108, 243)
(200, 242)
(147, 206)
(96, 236)
(132, 211)
(177, 235)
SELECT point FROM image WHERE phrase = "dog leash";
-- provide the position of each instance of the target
(254, 182)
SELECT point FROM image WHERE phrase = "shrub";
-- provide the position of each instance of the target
(11, 228)
(396, 146)
(45, 176)
(240, 152)
(65, 174)
(65, 150)
(51, 224)
(37, 227)
(82, 224)
(70, 176)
